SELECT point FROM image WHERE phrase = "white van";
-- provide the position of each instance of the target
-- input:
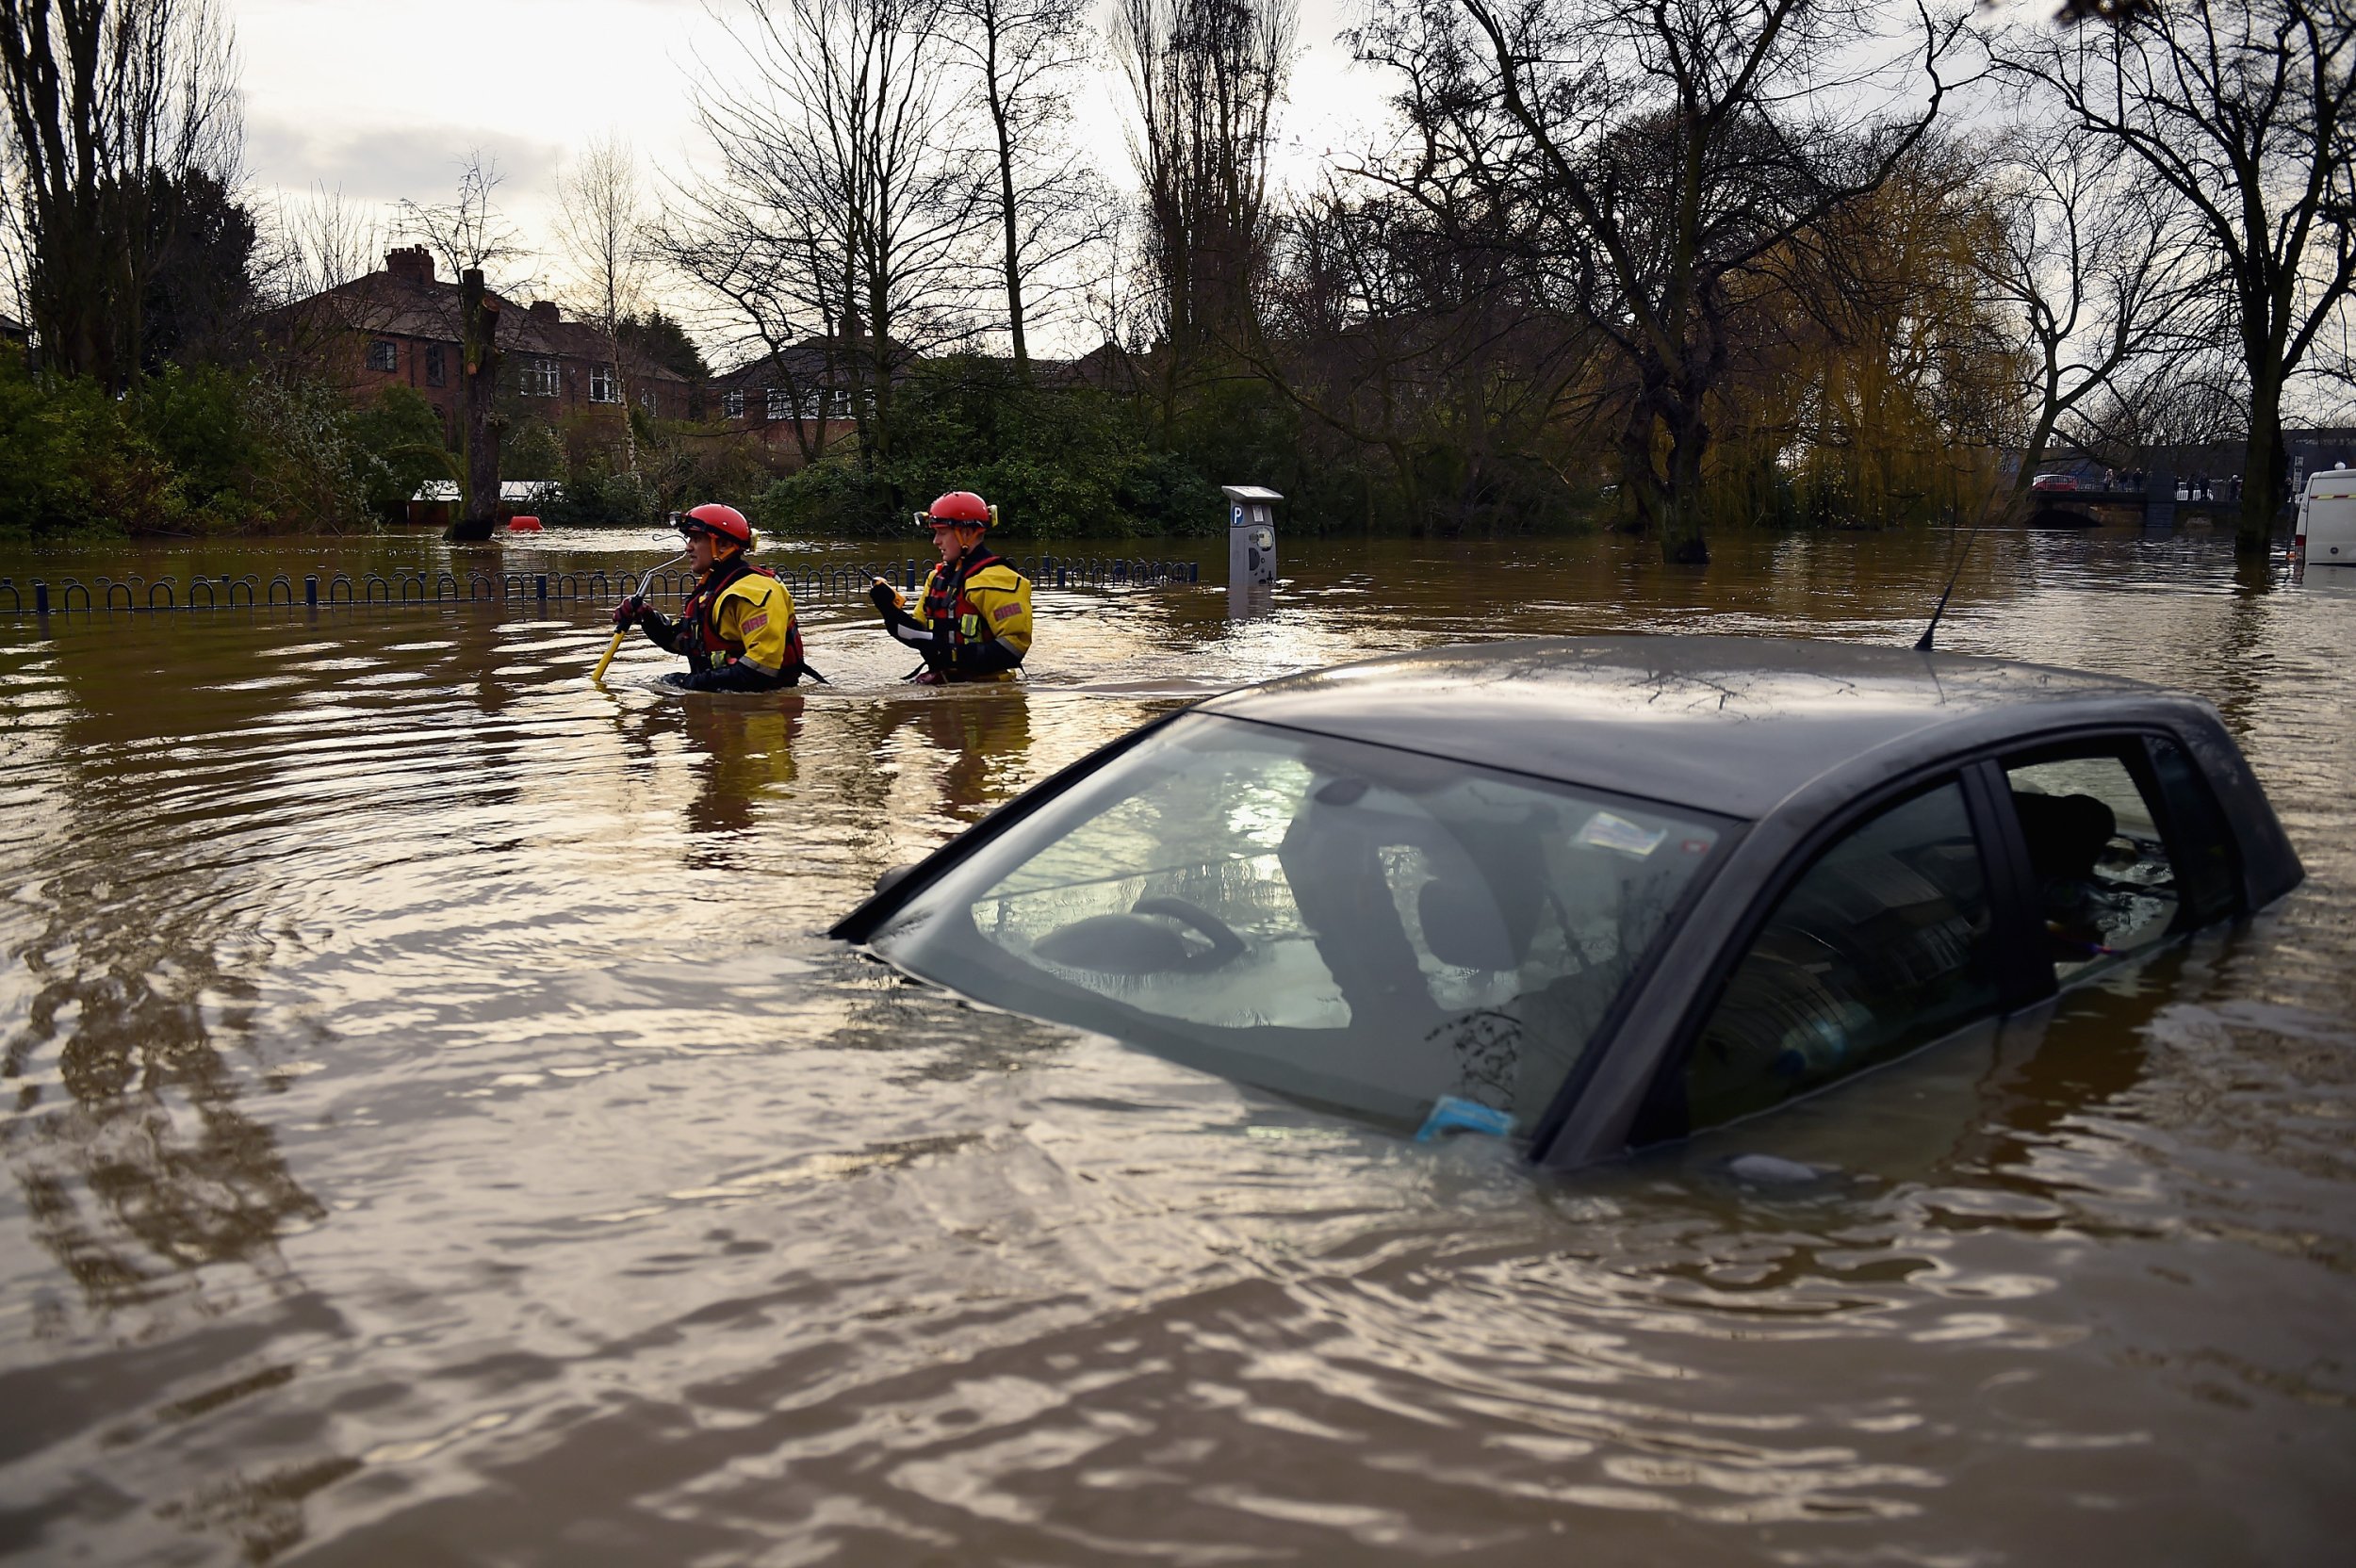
(2326, 534)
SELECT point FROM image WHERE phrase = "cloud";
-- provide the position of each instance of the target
(392, 163)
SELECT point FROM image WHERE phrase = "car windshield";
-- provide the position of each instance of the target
(1395, 934)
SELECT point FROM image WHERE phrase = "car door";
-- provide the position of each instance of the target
(1896, 928)
(1961, 899)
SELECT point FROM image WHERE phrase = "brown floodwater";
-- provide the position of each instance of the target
(436, 1131)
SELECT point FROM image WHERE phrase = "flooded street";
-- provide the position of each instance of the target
(436, 1130)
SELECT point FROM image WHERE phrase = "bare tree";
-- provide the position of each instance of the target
(1417, 328)
(2165, 407)
(2092, 257)
(468, 234)
(1206, 79)
(112, 106)
(846, 205)
(1668, 145)
(321, 240)
(468, 231)
(601, 223)
(1021, 54)
(2247, 111)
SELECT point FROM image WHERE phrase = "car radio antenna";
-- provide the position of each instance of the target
(1922, 644)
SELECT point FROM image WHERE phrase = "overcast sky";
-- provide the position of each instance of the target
(367, 98)
(370, 98)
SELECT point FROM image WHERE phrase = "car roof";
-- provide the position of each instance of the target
(1729, 725)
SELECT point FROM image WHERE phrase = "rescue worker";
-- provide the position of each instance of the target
(973, 620)
(737, 628)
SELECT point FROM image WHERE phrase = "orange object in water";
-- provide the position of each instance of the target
(523, 525)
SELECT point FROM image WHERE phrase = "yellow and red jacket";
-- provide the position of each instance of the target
(973, 622)
(739, 619)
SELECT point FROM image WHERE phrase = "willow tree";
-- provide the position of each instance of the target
(1877, 378)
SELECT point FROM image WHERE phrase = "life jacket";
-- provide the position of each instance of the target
(700, 638)
(945, 598)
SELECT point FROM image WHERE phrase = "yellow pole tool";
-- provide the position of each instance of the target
(597, 677)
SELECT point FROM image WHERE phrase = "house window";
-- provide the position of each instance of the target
(603, 387)
(732, 403)
(646, 400)
(777, 403)
(384, 356)
(434, 372)
(539, 376)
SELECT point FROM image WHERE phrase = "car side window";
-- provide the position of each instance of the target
(2206, 869)
(1884, 944)
(2103, 881)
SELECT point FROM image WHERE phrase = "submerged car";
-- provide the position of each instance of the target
(1594, 893)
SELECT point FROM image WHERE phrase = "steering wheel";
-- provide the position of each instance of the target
(1226, 947)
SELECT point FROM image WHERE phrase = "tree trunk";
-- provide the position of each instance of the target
(2032, 452)
(2265, 469)
(478, 440)
(1013, 239)
(1683, 541)
(1640, 482)
(880, 321)
(1670, 503)
(621, 388)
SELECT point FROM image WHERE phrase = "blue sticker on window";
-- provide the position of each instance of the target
(1453, 1114)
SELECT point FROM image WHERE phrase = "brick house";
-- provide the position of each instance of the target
(399, 327)
(793, 402)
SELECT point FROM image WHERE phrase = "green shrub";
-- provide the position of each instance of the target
(592, 498)
(1058, 462)
(69, 461)
(398, 446)
(190, 451)
(531, 450)
(199, 422)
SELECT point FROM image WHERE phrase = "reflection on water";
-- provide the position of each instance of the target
(436, 1131)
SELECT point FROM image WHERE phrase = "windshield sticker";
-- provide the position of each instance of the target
(1453, 1114)
(1606, 831)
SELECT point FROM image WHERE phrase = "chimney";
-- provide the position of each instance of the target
(412, 263)
(545, 311)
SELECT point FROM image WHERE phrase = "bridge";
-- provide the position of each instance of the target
(2075, 507)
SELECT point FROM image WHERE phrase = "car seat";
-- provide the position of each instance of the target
(2064, 834)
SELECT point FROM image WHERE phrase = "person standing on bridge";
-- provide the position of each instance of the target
(973, 622)
(737, 628)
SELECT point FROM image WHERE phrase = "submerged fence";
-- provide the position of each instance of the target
(809, 585)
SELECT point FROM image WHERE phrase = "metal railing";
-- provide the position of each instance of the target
(394, 590)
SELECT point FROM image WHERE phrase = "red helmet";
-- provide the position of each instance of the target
(721, 522)
(959, 506)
